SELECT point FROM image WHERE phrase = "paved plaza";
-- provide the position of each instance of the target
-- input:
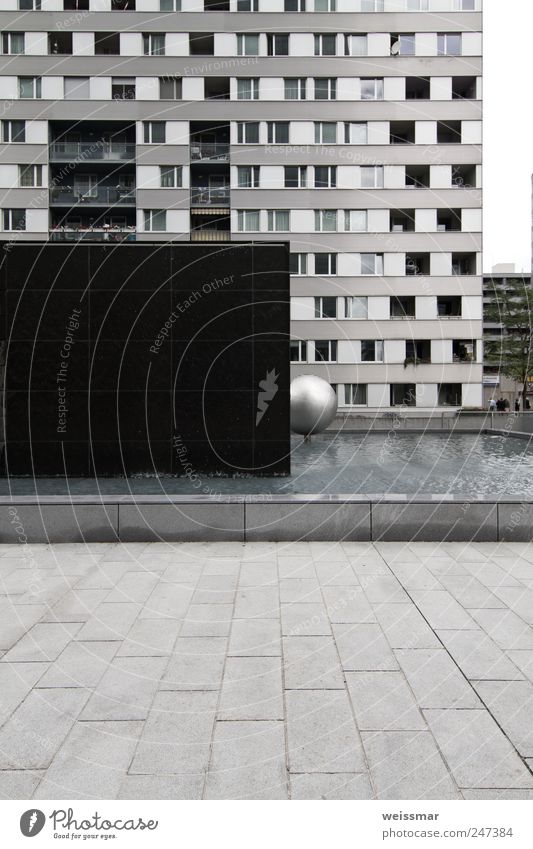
(266, 671)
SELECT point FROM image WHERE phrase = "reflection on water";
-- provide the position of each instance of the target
(346, 464)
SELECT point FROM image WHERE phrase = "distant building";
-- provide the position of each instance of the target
(495, 384)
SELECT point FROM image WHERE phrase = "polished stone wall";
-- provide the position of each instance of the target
(169, 358)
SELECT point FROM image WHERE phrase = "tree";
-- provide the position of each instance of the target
(511, 306)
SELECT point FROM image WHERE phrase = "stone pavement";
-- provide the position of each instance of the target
(266, 671)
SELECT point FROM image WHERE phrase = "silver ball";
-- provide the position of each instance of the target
(313, 404)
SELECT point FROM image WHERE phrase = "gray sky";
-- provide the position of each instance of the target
(508, 129)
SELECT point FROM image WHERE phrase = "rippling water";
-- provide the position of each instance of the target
(346, 464)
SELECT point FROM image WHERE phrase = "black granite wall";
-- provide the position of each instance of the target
(146, 357)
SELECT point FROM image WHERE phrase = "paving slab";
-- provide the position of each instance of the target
(511, 705)
(257, 603)
(251, 689)
(405, 627)
(312, 663)
(110, 621)
(476, 750)
(348, 605)
(435, 679)
(255, 638)
(80, 665)
(305, 620)
(382, 701)
(331, 786)
(363, 648)
(92, 762)
(161, 787)
(177, 735)
(207, 620)
(126, 689)
(197, 663)
(44, 642)
(322, 736)
(16, 681)
(150, 638)
(19, 783)
(407, 765)
(478, 657)
(248, 762)
(507, 629)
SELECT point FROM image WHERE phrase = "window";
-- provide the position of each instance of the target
(325, 6)
(356, 306)
(402, 220)
(450, 394)
(298, 350)
(14, 219)
(372, 88)
(371, 263)
(326, 351)
(372, 176)
(402, 44)
(449, 132)
(155, 220)
(30, 176)
(371, 351)
(106, 44)
(325, 263)
(29, 5)
(355, 133)
(355, 394)
(248, 88)
(170, 176)
(355, 220)
(449, 306)
(278, 132)
(403, 395)
(154, 132)
(123, 88)
(449, 220)
(170, 88)
(13, 131)
(402, 307)
(464, 88)
(295, 88)
(294, 6)
(79, 5)
(325, 176)
(449, 44)
(325, 88)
(13, 42)
(248, 132)
(417, 5)
(417, 351)
(277, 44)
(247, 5)
(325, 132)
(247, 220)
(417, 88)
(356, 45)
(278, 220)
(247, 44)
(325, 220)
(170, 5)
(325, 44)
(371, 5)
(30, 87)
(296, 176)
(76, 88)
(154, 44)
(298, 263)
(466, 5)
(248, 176)
(325, 307)
(463, 263)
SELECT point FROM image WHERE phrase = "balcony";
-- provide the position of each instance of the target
(210, 235)
(93, 234)
(92, 151)
(210, 196)
(209, 152)
(91, 196)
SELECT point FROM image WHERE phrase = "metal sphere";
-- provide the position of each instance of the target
(313, 404)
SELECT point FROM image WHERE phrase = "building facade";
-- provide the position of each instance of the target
(496, 384)
(351, 128)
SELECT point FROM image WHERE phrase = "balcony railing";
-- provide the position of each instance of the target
(210, 235)
(99, 234)
(92, 196)
(209, 151)
(91, 151)
(210, 196)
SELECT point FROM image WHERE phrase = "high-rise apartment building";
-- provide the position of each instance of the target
(351, 128)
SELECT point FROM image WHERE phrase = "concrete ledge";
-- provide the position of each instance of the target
(435, 522)
(35, 522)
(430, 518)
(307, 521)
(181, 521)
